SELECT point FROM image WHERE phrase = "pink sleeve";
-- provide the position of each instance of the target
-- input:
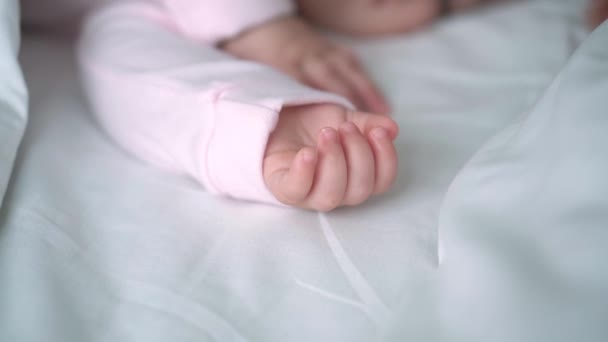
(211, 21)
(183, 105)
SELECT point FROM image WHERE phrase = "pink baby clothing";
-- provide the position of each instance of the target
(163, 91)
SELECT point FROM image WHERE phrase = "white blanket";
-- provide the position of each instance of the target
(95, 246)
(13, 101)
(524, 226)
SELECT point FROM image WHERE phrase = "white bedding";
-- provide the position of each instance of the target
(13, 96)
(95, 246)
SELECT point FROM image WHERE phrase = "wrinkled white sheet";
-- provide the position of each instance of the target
(95, 246)
(524, 226)
(13, 98)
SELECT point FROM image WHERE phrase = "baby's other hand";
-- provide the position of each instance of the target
(324, 156)
(597, 13)
(292, 46)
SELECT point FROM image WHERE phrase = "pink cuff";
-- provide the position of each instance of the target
(235, 151)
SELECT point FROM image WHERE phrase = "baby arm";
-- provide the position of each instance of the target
(166, 95)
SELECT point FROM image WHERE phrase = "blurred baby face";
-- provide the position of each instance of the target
(369, 17)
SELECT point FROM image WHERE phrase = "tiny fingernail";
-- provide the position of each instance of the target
(379, 133)
(329, 134)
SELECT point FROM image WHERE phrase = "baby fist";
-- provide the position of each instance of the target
(324, 156)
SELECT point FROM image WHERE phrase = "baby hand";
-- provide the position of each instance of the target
(324, 156)
(597, 13)
(293, 47)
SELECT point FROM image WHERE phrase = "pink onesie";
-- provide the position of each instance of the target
(163, 91)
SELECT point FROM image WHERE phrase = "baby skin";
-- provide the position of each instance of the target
(325, 156)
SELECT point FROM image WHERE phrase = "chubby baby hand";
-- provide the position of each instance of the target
(324, 156)
(292, 46)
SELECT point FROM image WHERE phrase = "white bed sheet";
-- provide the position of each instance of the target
(95, 246)
(13, 96)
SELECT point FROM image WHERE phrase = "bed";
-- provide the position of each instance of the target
(497, 228)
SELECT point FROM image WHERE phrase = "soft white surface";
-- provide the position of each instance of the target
(97, 247)
(524, 226)
(13, 100)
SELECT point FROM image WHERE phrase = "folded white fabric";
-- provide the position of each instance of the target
(524, 227)
(13, 102)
